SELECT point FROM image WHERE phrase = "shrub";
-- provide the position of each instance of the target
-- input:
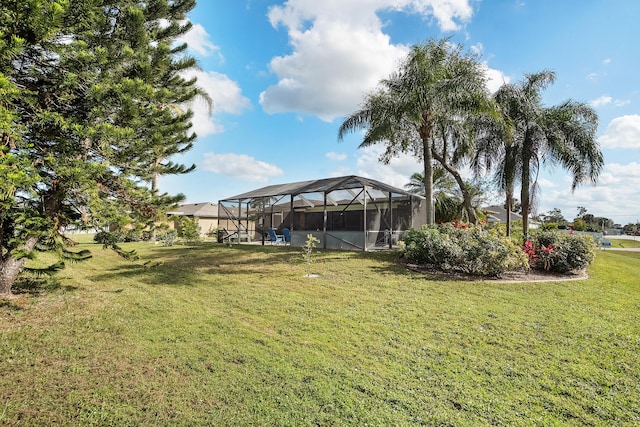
(107, 238)
(213, 232)
(471, 250)
(576, 253)
(429, 246)
(560, 253)
(189, 229)
(168, 237)
(133, 235)
(307, 250)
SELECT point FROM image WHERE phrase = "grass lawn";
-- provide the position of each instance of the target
(219, 335)
(623, 243)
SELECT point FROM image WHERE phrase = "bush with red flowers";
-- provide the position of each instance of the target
(559, 252)
(471, 249)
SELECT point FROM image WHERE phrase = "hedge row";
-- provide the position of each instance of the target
(472, 250)
(488, 252)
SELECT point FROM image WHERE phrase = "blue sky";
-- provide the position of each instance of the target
(283, 74)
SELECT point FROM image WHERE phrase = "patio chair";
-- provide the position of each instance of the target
(286, 235)
(275, 239)
(225, 235)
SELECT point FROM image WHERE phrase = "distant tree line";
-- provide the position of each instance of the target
(584, 221)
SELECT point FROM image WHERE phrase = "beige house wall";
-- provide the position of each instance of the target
(419, 215)
(205, 225)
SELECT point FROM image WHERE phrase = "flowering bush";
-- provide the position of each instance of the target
(475, 250)
(530, 251)
(546, 256)
(558, 252)
(469, 249)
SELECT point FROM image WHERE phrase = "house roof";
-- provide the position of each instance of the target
(200, 210)
(499, 214)
(319, 186)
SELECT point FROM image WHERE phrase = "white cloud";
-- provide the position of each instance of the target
(225, 93)
(336, 156)
(396, 173)
(606, 100)
(340, 51)
(615, 184)
(592, 76)
(624, 172)
(198, 41)
(445, 11)
(477, 49)
(495, 78)
(606, 61)
(622, 132)
(226, 96)
(239, 166)
(545, 183)
(341, 171)
(603, 100)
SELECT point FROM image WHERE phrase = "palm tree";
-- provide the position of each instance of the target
(495, 150)
(473, 197)
(446, 201)
(563, 134)
(452, 149)
(436, 82)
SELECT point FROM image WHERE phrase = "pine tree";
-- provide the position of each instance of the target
(93, 123)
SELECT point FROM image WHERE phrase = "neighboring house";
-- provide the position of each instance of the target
(206, 213)
(498, 214)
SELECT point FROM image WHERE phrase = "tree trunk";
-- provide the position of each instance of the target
(524, 197)
(154, 188)
(509, 202)
(11, 267)
(425, 132)
(466, 196)
(428, 182)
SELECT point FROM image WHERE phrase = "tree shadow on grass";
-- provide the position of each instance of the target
(35, 286)
(162, 274)
(10, 305)
(187, 265)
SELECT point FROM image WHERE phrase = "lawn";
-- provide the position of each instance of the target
(623, 243)
(218, 335)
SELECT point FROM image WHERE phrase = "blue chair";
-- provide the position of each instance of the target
(286, 234)
(275, 239)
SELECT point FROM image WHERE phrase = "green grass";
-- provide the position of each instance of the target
(237, 336)
(623, 243)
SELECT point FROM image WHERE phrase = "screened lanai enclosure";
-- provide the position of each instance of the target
(349, 212)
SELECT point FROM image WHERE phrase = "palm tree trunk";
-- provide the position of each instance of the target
(524, 196)
(509, 202)
(427, 156)
(428, 183)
